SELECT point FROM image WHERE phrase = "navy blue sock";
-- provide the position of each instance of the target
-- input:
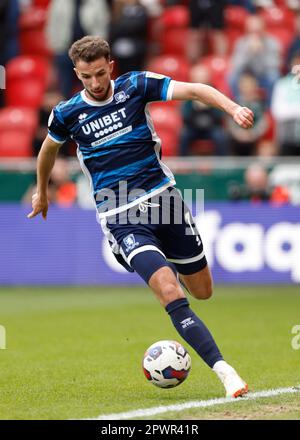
(194, 331)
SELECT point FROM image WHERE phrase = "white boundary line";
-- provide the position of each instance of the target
(148, 412)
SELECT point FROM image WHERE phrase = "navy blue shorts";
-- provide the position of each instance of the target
(164, 224)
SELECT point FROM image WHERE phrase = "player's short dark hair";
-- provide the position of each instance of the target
(88, 49)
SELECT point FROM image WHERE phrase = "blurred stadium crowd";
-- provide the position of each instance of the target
(250, 50)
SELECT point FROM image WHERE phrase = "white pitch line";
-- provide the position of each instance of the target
(147, 412)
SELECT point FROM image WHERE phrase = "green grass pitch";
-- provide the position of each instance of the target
(77, 352)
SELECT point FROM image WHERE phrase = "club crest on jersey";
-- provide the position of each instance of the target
(130, 242)
(121, 97)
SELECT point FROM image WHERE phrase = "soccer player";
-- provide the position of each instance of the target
(149, 227)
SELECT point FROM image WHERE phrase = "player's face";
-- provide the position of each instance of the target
(96, 76)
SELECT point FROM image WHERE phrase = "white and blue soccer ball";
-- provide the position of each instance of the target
(166, 364)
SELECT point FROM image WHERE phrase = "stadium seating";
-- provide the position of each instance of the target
(172, 30)
(26, 79)
(232, 36)
(278, 17)
(17, 127)
(168, 123)
(219, 68)
(235, 17)
(42, 3)
(26, 66)
(170, 65)
(284, 36)
(174, 41)
(280, 23)
(235, 20)
(32, 32)
(176, 16)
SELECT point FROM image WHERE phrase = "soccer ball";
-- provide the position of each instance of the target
(166, 364)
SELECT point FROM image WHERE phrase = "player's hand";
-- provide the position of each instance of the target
(244, 117)
(39, 205)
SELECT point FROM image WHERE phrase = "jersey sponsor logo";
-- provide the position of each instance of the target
(110, 122)
(130, 242)
(121, 97)
(110, 136)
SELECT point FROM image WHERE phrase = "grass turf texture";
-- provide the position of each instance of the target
(77, 352)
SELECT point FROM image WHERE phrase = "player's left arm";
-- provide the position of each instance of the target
(243, 116)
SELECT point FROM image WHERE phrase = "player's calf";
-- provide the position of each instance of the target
(199, 284)
(165, 286)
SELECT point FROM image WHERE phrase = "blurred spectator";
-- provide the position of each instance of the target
(286, 109)
(9, 34)
(267, 148)
(154, 7)
(61, 189)
(68, 21)
(51, 99)
(293, 4)
(295, 45)
(245, 142)
(207, 19)
(84, 195)
(200, 121)
(9, 31)
(259, 52)
(128, 35)
(287, 176)
(264, 3)
(247, 4)
(257, 187)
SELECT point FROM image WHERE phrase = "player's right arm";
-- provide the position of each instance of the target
(45, 162)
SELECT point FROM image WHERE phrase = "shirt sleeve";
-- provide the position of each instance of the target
(57, 129)
(157, 87)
